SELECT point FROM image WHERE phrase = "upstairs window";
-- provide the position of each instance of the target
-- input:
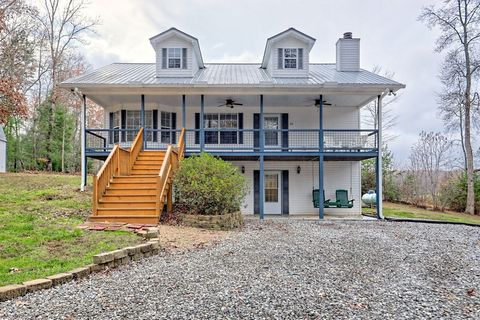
(290, 58)
(174, 58)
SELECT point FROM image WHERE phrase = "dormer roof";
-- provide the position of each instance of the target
(290, 32)
(182, 35)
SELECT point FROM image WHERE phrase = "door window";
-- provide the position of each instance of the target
(271, 187)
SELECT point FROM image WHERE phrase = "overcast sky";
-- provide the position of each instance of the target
(236, 31)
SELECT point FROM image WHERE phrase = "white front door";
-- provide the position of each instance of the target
(273, 203)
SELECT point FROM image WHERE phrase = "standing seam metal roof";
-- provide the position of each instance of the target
(225, 74)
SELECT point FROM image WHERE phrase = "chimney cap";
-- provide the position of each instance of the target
(347, 35)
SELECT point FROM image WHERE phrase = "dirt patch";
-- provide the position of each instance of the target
(184, 238)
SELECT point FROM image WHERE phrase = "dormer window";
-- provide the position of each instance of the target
(174, 58)
(290, 59)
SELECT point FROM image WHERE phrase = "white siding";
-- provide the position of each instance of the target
(174, 42)
(288, 43)
(348, 55)
(298, 118)
(3, 156)
(337, 175)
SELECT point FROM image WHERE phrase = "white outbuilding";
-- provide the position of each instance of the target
(3, 151)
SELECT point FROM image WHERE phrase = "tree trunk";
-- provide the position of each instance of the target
(470, 206)
(63, 146)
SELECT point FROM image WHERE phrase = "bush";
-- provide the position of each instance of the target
(208, 186)
(454, 193)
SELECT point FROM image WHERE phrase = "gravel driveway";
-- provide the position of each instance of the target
(286, 269)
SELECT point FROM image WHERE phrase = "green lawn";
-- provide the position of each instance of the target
(395, 210)
(38, 238)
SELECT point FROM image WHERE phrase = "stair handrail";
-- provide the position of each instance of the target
(136, 147)
(118, 162)
(169, 166)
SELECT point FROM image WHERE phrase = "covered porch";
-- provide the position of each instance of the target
(252, 136)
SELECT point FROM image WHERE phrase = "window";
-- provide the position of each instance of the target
(174, 58)
(271, 187)
(290, 58)
(166, 126)
(134, 122)
(228, 125)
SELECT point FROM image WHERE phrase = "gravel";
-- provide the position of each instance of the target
(286, 269)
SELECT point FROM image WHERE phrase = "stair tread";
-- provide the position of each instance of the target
(126, 209)
(130, 188)
(127, 201)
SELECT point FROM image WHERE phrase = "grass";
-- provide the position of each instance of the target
(395, 210)
(38, 235)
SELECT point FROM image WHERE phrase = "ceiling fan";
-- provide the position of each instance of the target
(230, 103)
(325, 103)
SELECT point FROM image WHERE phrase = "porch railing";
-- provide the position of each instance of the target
(243, 140)
(103, 140)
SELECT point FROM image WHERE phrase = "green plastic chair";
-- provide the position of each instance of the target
(342, 200)
(316, 201)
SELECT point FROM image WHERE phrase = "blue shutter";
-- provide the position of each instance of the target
(284, 133)
(184, 58)
(164, 58)
(240, 126)
(256, 134)
(197, 126)
(285, 208)
(124, 124)
(300, 58)
(174, 127)
(280, 58)
(155, 125)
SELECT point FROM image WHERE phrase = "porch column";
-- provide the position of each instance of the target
(202, 122)
(378, 169)
(321, 210)
(83, 138)
(184, 112)
(261, 194)
(142, 119)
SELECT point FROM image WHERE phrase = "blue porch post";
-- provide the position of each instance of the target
(261, 194)
(202, 122)
(378, 162)
(142, 120)
(83, 142)
(184, 111)
(321, 210)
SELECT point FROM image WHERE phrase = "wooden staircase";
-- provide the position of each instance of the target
(133, 185)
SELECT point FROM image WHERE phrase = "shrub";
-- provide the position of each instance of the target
(209, 186)
(454, 193)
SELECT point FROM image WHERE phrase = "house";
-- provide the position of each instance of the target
(3, 151)
(290, 125)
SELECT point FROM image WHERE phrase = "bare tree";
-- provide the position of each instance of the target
(429, 158)
(389, 118)
(64, 25)
(459, 22)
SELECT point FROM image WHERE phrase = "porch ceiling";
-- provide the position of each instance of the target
(248, 100)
